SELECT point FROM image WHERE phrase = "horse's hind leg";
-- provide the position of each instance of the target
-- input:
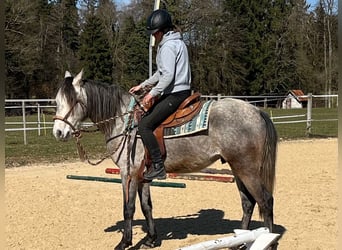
(146, 207)
(247, 202)
(254, 191)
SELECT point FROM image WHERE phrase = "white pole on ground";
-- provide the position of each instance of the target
(264, 241)
(242, 237)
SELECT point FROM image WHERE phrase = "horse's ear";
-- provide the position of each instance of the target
(78, 80)
(67, 74)
(79, 76)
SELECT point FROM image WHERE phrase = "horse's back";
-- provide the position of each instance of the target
(230, 112)
(236, 127)
(236, 130)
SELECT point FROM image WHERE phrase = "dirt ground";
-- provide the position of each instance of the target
(44, 210)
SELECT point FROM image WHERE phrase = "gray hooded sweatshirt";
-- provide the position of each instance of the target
(173, 67)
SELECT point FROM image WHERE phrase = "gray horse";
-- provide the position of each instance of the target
(238, 134)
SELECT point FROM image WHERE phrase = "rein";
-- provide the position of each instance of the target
(77, 133)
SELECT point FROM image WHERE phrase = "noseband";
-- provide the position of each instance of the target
(65, 118)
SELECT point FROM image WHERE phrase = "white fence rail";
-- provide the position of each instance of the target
(24, 105)
(37, 106)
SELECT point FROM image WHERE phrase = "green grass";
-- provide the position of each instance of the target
(298, 130)
(45, 148)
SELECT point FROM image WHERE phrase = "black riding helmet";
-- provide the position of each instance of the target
(158, 20)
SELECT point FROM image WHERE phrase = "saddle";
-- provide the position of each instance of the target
(188, 109)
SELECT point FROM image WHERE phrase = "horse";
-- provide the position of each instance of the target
(238, 133)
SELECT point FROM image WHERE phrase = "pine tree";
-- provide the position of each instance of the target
(280, 68)
(65, 18)
(70, 28)
(268, 60)
(95, 53)
(134, 51)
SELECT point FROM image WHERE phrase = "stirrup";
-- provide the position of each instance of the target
(156, 171)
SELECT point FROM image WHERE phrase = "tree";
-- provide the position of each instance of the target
(280, 70)
(132, 57)
(70, 26)
(21, 43)
(42, 84)
(64, 16)
(108, 15)
(95, 53)
(236, 47)
(327, 7)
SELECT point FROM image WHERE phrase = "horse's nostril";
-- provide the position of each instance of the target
(67, 135)
(58, 133)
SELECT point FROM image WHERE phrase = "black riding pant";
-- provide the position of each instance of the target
(161, 110)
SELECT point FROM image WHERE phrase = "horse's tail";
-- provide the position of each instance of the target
(269, 155)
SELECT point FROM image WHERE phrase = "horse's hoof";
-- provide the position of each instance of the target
(273, 246)
(148, 245)
(149, 242)
(144, 246)
(123, 245)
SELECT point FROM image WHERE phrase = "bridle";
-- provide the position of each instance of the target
(65, 118)
(77, 133)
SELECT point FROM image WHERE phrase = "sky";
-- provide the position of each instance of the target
(122, 2)
(312, 3)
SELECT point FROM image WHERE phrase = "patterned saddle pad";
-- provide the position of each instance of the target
(196, 124)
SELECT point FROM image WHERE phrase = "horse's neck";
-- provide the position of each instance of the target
(119, 126)
(108, 113)
(114, 136)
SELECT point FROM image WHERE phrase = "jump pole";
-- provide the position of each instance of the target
(257, 239)
(115, 180)
(229, 179)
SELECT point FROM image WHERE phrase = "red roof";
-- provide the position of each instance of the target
(297, 93)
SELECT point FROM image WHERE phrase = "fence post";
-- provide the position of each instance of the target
(265, 103)
(309, 113)
(24, 120)
(38, 113)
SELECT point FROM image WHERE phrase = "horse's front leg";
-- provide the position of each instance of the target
(146, 207)
(129, 195)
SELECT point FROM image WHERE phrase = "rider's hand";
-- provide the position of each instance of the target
(147, 99)
(135, 89)
(147, 102)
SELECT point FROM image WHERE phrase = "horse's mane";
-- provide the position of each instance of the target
(103, 100)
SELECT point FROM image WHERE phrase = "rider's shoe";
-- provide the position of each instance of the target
(156, 171)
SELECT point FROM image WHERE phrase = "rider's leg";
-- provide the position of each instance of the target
(159, 112)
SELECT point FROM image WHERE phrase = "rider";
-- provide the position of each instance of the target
(171, 84)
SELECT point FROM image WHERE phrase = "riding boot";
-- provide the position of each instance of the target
(157, 169)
